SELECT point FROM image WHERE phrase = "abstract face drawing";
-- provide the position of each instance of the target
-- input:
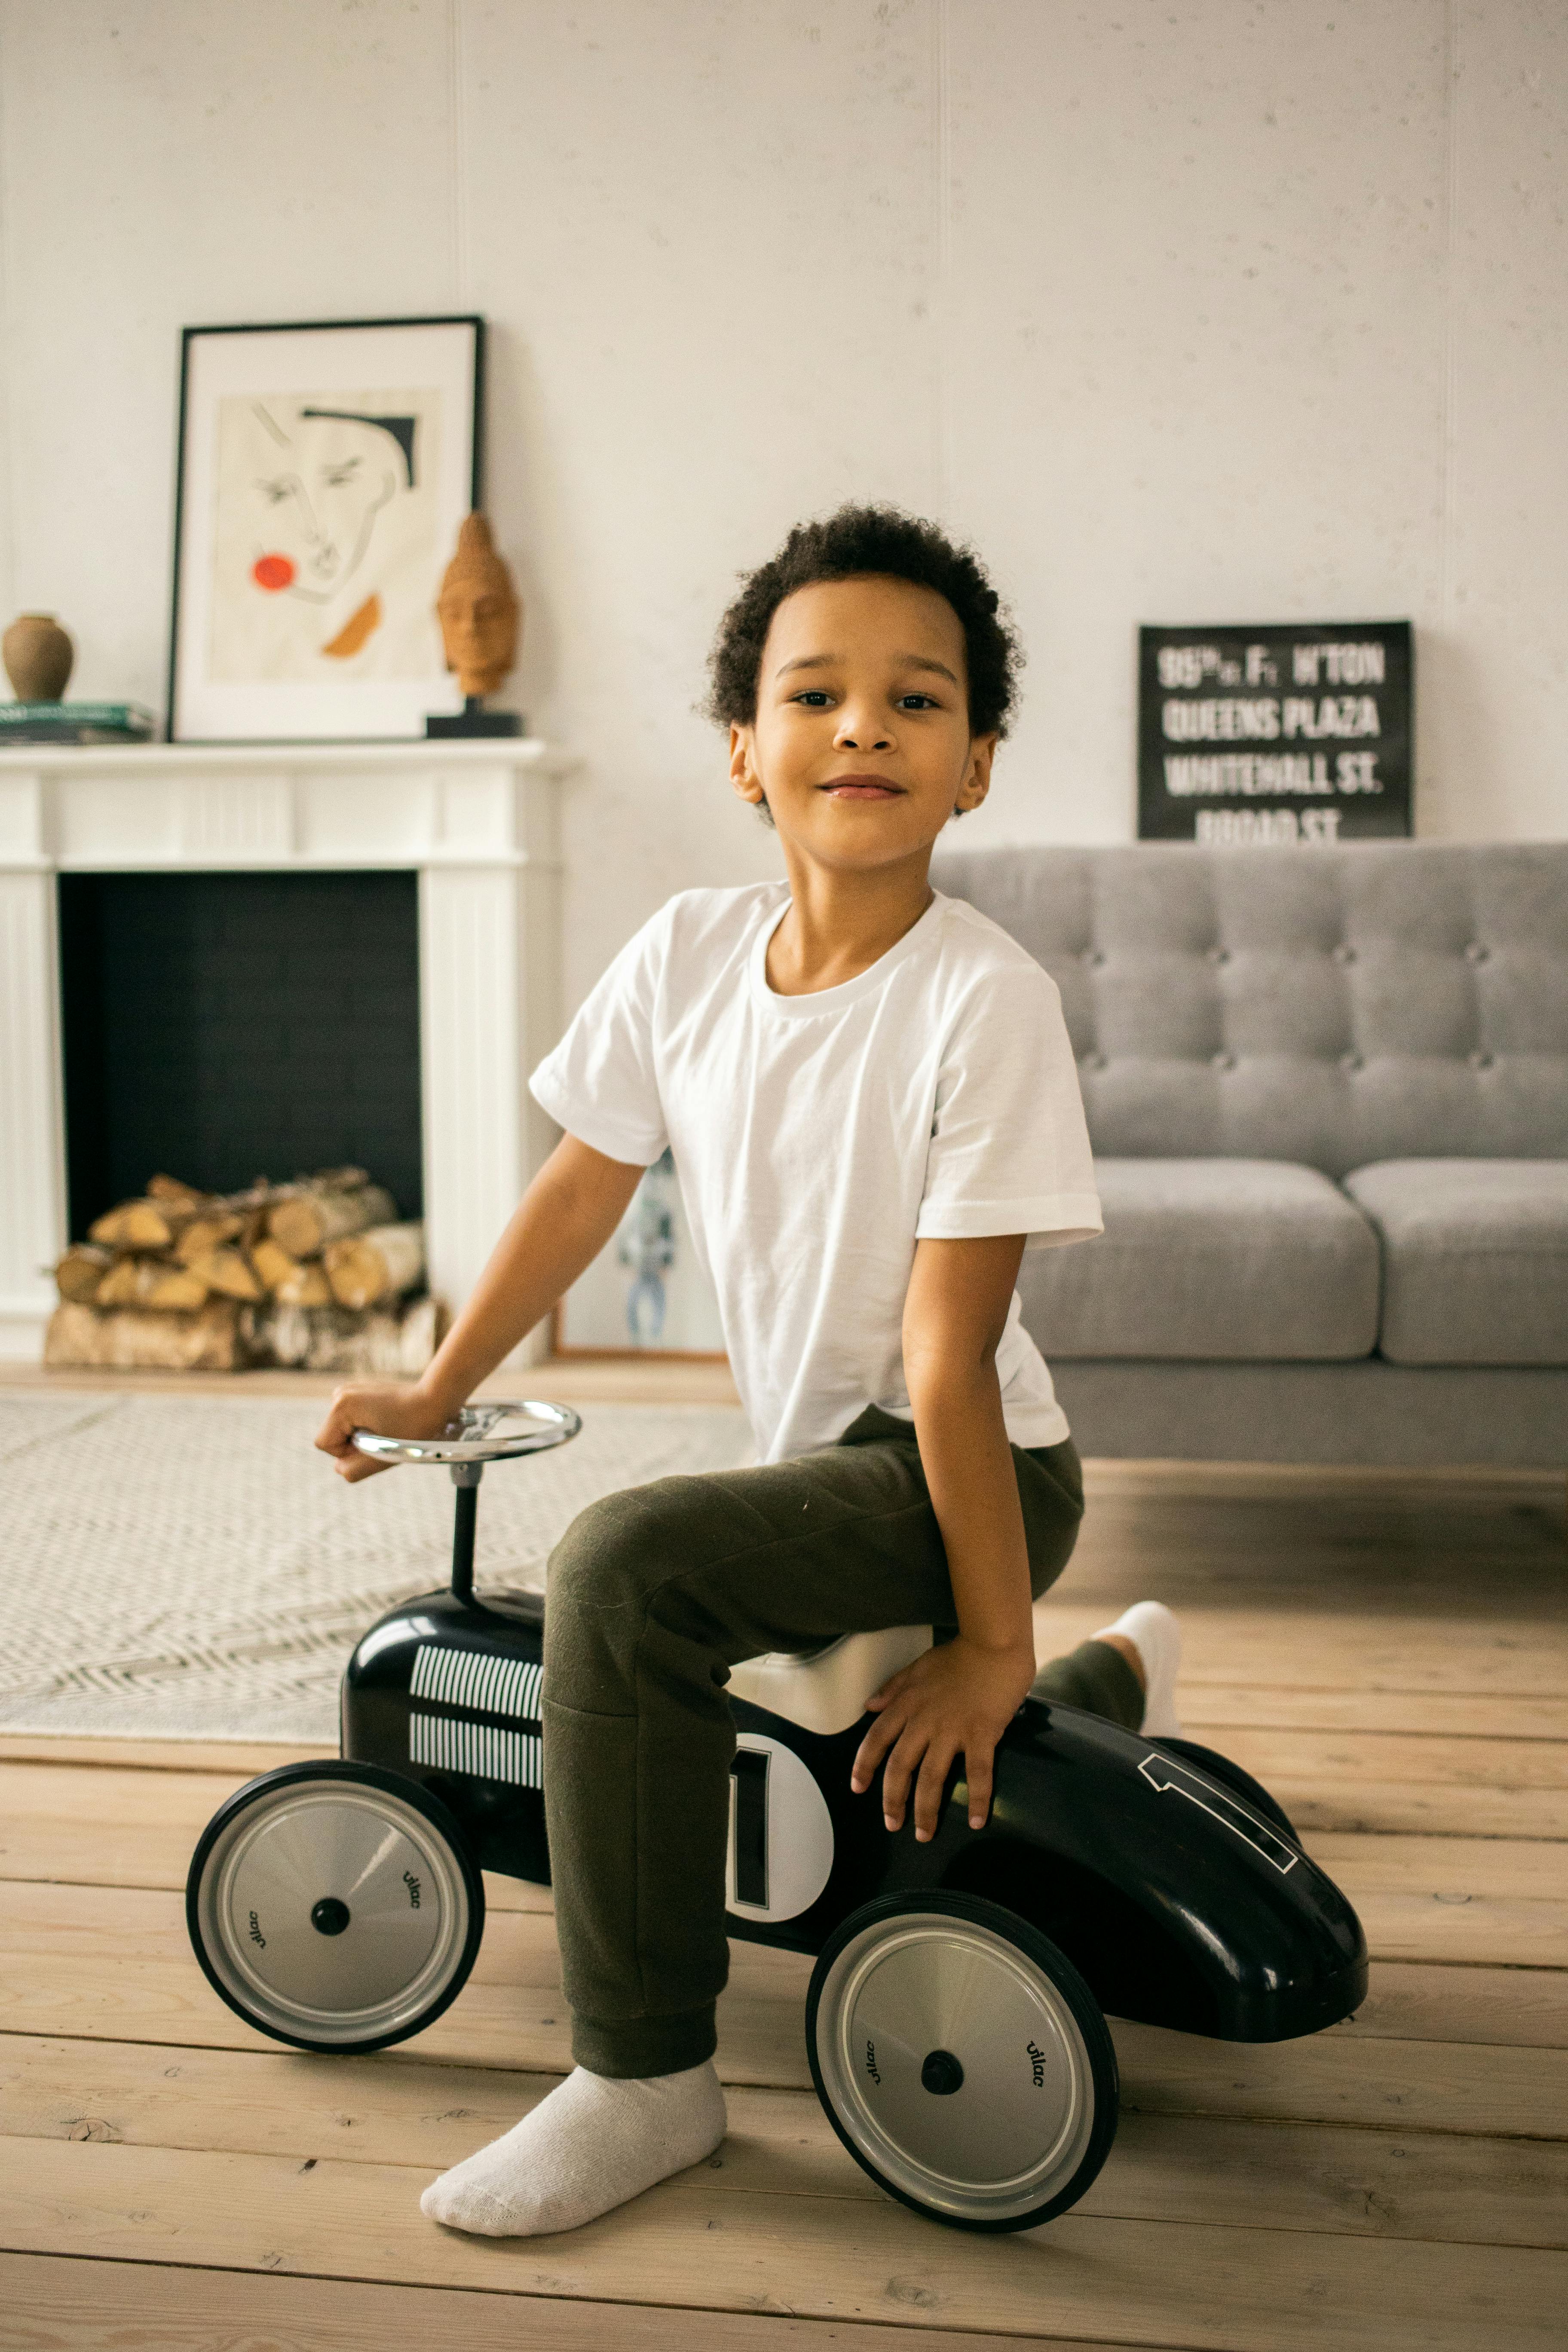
(316, 512)
(324, 536)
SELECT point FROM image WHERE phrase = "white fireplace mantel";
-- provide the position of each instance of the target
(477, 821)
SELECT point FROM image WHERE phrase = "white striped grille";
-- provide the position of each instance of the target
(480, 1747)
(500, 1685)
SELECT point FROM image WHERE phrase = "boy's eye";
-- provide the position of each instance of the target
(919, 702)
(814, 698)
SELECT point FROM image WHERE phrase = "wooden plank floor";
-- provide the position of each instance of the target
(1390, 1653)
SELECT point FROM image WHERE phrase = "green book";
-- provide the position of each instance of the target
(76, 722)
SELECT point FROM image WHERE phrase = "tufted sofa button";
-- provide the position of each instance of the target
(1482, 1061)
(1476, 953)
(1353, 1062)
(1094, 955)
(1223, 1062)
(1219, 955)
(1092, 1062)
(1344, 952)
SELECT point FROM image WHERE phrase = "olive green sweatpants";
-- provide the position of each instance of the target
(654, 1594)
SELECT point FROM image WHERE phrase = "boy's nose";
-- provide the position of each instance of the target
(861, 735)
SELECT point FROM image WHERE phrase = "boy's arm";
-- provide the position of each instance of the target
(961, 1697)
(566, 1216)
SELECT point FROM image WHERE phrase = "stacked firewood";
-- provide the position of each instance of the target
(320, 1274)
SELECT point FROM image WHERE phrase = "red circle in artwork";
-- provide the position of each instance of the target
(272, 572)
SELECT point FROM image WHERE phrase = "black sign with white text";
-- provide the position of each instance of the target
(1275, 734)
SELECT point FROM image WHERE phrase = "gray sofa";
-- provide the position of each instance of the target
(1328, 1093)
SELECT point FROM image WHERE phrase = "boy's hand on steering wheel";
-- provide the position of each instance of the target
(955, 1700)
(389, 1408)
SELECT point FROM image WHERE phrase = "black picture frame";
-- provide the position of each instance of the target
(471, 477)
(1276, 733)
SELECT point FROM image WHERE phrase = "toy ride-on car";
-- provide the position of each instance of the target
(955, 2021)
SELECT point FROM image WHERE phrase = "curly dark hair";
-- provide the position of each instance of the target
(883, 541)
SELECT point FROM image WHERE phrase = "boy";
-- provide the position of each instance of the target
(873, 1107)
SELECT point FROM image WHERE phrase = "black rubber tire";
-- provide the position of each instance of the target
(1052, 1963)
(373, 1776)
(1232, 1776)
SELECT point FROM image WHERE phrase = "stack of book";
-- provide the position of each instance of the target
(75, 722)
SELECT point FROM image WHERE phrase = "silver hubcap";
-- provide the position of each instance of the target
(333, 1912)
(955, 2066)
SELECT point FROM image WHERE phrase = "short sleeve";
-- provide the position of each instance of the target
(600, 1082)
(1009, 1150)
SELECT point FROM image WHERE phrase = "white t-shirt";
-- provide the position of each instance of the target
(817, 1137)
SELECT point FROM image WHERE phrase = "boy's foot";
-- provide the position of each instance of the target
(592, 2144)
(1150, 1629)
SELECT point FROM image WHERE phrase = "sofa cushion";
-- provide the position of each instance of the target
(1475, 1255)
(1378, 1000)
(1233, 1259)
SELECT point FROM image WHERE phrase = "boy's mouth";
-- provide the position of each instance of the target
(862, 788)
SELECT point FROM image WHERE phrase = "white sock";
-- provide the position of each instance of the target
(1157, 1638)
(592, 2144)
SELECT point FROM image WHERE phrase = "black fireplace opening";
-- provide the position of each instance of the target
(223, 1026)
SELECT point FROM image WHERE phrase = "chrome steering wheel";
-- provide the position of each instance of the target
(478, 1433)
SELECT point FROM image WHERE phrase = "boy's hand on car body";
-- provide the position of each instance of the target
(955, 1700)
(389, 1408)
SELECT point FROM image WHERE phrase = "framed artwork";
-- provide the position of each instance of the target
(324, 470)
(645, 1294)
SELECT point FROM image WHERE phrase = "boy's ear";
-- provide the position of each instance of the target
(977, 774)
(744, 778)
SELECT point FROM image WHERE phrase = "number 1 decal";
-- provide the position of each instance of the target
(1172, 1778)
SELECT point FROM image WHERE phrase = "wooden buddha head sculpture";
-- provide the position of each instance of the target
(478, 611)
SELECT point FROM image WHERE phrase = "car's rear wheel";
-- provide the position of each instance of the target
(333, 1906)
(962, 2060)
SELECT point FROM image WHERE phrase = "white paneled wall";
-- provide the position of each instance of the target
(1204, 310)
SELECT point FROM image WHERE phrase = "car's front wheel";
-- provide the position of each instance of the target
(333, 1906)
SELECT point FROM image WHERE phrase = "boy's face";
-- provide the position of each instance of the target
(861, 744)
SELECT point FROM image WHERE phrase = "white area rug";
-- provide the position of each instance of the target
(190, 1568)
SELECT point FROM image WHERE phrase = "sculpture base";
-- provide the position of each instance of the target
(473, 721)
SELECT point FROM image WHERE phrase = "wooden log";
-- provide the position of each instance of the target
(131, 1337)
(253, 1226)
(155, 1220)
(372, 1268)
(206, 1233)
(325, 1209)
(172, 1289)
(171, 1192)
(228, 1270)
(252, 1207)
(134, 1225)
(152, 1283)
(121, 1282)
(306, 1286)
(274, 1266)
(170, 1211)
(347, 1179)
(80, 1271)
(360, 1346)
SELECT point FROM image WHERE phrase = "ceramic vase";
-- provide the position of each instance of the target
(38, 656)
